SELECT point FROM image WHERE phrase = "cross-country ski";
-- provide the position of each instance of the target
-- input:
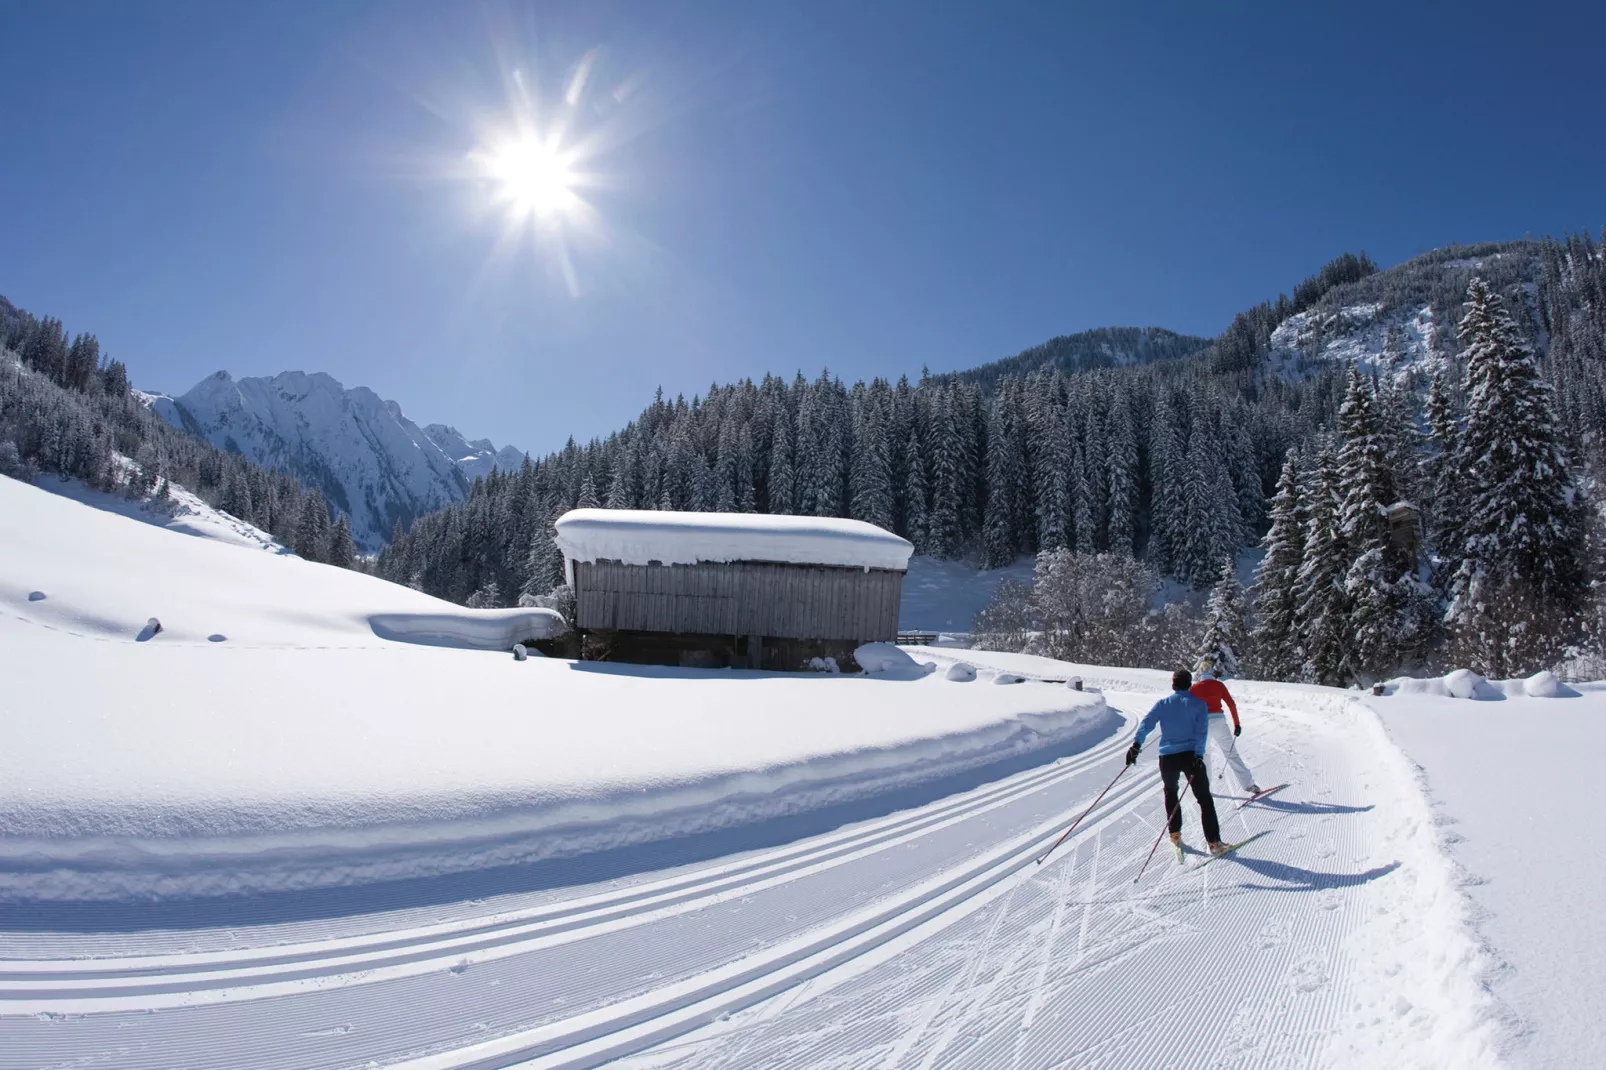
(1259, 795)
(1227, 849)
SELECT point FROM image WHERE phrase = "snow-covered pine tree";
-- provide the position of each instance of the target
(1050, 451)
(1225, 630)
(342, 547)
(1437, 468)
(1276, 652)
(782, 482)
(1521, 577)
(916, 497)
(588, 494)
(1006, 480)
(1121, 472)
(1366, 487)
(870, 477)
(949, 478)
(1321, 608)
(312, 527)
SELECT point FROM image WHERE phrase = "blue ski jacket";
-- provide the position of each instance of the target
(1184, 722)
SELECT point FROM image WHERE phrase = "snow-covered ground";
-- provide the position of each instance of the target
(456, 859)
(1515, 787)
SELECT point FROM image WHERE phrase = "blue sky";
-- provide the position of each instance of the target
(868, 187)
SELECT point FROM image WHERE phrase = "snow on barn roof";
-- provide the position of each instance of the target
(641, 536)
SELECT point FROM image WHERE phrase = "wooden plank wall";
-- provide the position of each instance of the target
(741, 598)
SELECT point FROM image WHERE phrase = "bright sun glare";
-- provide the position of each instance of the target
(533, 176)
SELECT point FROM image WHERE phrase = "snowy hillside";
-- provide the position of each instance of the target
(1401, 321)
(309, 726)
(367, 457)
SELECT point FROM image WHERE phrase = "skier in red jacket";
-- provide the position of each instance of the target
(1214, 692)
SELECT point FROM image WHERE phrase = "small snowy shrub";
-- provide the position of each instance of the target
(959, 672)
(824, 665)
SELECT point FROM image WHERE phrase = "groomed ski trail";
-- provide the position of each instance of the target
(925, 938)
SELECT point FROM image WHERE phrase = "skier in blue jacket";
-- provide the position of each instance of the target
(1184, 722)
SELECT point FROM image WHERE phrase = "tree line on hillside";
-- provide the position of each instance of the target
(68, 410)
(1397, 540)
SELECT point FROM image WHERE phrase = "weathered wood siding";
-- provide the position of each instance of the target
(741, 598)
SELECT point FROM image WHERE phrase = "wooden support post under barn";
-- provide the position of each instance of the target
(715, 590)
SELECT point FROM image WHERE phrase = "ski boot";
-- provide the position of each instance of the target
(1217, 847)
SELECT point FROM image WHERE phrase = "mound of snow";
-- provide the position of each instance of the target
(1542, 684)
(884, 657)
(1008, 678)
(482, 629)
(642, 536)
(960, 672)
(1463, 683)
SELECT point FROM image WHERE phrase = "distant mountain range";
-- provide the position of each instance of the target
(379, 467)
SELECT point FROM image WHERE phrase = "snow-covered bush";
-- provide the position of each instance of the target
(1463, 683)
(1542, 684)
(960, 672)
(826, 665)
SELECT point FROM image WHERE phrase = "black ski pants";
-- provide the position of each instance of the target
(1192, 766)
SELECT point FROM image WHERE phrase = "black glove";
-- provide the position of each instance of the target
(1199, 768)
(1237, 729)
(1132, 753)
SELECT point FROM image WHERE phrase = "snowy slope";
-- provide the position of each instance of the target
(183, 512)
(369, 459)
(1399, 322)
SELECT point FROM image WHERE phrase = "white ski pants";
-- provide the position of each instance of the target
(1221, 736)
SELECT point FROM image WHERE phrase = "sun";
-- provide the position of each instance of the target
(531, 175)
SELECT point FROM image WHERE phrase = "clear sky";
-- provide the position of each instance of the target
(871, 187)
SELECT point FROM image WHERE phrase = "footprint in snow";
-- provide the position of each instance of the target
(1272, 935)
(1308, 974)
(36, 596)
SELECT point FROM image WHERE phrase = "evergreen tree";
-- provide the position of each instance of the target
(1225, 631)
(1374, 570)
(1522, 556)
(1437, 467)
(342, 547)
(312, 527)
(1276, 646)
(1320, 605)
(917, 524)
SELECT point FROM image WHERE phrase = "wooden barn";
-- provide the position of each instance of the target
(730, 589)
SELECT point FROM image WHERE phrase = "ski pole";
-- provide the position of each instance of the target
(1163, 830)
(1078, 821)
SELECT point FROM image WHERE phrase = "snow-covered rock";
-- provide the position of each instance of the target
(960, 672)
(641, 536)
(1008, 678)
(368, 458)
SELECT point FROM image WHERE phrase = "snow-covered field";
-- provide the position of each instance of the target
(456, 859)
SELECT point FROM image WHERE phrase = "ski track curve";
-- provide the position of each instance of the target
(926, 938)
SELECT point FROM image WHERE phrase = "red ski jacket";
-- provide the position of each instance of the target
(1214, 693)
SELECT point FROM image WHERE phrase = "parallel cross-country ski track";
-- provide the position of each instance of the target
(927, 937)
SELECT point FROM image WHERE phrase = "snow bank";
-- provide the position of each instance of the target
(641, 536)
(1466, 684)
(1542, 684)
(271, 737)
(482, 629)
(1463, 683)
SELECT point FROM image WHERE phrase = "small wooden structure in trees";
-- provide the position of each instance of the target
(1405, 529)
(729, 589)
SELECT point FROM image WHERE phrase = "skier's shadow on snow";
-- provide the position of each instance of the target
(1310, 808)
(1297, 879)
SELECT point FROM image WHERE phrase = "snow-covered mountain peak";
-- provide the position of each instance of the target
(360, 449)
